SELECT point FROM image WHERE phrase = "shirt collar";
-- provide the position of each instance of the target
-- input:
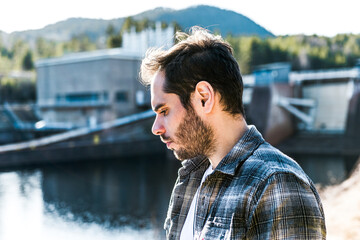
(191, 164)
(241, 151)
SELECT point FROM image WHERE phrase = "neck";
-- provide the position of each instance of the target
(228, 131)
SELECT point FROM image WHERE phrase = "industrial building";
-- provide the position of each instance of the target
(84, 89)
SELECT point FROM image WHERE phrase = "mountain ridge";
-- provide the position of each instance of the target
(210, 17)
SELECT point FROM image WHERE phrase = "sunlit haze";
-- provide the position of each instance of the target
(281, 17)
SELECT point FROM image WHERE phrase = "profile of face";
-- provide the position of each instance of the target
(183, 131)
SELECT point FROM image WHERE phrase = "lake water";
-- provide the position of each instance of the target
(113, 199)
(110, 199)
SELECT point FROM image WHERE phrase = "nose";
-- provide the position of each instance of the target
(158, 128)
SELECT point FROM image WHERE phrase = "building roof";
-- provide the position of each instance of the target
(311, 75)
(341, 73)
(272, 66)
(114, 53)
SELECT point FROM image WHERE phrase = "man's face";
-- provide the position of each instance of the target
(183, 131)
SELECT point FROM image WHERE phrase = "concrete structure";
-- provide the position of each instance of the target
(319, 99)
(325, 105)
(331, 90)
(261, 93)
(83, 89)
(88, 88)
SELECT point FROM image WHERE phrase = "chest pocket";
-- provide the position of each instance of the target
(223, 228)
(216, 228)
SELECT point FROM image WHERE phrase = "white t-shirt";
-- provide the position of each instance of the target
(187, 232)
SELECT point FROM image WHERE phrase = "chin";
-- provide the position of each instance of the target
(177, 156)
(181, 155)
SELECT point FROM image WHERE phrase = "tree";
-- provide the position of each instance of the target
(46, 48)
(113, 40)
(128, 23)
(110, 30)
(79, 43)
(143, 24)
(17, 90)
(27, 62)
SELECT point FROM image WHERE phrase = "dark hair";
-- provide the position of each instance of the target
(197, 57)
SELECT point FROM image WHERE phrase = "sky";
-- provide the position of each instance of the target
(281, 17)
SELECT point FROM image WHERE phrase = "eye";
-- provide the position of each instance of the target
(163, 112)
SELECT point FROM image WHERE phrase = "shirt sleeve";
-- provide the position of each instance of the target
(285, 207)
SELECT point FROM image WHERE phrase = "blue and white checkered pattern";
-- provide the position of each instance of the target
(256, 192)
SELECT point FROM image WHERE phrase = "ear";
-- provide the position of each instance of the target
(204, 97)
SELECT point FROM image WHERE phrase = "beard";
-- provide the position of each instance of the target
(194, 136)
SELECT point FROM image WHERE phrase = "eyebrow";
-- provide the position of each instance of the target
(157, 107)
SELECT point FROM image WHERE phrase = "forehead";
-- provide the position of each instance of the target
(157, 83)
(156, 87)
(158, 96)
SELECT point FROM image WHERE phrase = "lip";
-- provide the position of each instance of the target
(168, 144)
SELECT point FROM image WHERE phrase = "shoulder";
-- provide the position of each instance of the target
(266, 161)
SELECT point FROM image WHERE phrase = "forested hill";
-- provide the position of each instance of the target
(213, 18)
(249, 41)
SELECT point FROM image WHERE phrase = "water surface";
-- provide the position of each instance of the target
(112, 199)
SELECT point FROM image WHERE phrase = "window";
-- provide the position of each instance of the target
(121, 96)
(105, 96)
(82, 97)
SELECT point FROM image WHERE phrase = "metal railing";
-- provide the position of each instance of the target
(290, 105)
(77, 132)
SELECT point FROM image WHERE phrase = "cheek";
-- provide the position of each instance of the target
(172, 123)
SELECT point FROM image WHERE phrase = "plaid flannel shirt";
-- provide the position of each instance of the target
(255, 192)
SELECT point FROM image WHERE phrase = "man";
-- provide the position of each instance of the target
(233, 184)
